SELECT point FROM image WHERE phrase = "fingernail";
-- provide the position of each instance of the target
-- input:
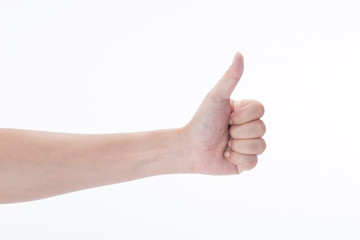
(227, 154)
(230, 122)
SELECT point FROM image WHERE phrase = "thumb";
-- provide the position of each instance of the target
(228, 82)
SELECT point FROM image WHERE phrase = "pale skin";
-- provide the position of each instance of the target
(224, 137)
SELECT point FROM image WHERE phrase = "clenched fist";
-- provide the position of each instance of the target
(224, 136)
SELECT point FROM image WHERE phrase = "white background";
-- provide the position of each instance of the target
(122, 66)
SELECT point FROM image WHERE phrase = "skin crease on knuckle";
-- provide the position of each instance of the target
(248, 146)
(248, 113)
(254, 129)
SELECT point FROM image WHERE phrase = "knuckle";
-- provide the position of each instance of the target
(251, 163)
(261, 127)
(261, 145)
(245, 162)
(260, 109)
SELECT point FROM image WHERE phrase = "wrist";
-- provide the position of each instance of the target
(184, 144)
(163, 152)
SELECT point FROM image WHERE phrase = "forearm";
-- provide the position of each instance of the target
(36, 164)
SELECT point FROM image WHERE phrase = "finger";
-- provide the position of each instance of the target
(228, 82)
(253, 129)
(242, 161)
(247, 113)
(248, 146)
(237, 105)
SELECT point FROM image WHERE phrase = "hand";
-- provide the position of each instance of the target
(224, 136)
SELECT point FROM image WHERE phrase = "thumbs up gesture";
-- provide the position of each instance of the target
(224, 136)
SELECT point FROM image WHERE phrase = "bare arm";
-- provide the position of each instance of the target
(36, 165)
